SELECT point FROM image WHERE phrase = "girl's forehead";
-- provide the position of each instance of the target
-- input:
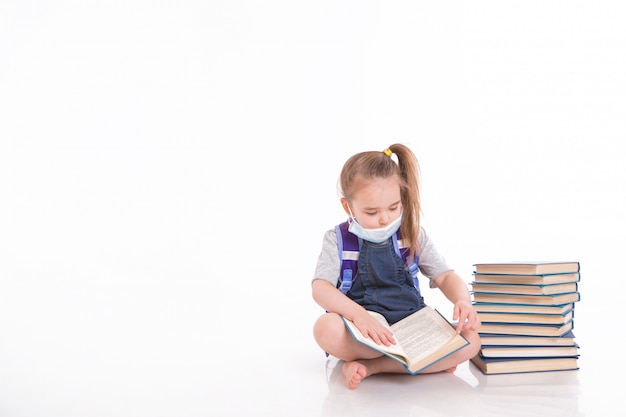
(378, 191)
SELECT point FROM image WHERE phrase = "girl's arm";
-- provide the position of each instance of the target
(455, 290)
(334, 301)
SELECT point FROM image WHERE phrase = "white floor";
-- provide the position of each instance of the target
(168, 350)
(167, 171)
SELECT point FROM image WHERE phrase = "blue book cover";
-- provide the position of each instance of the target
(523, 308)
(548, 300)
(524, 289)
(520, 365)
(527, 329)
(493, 339)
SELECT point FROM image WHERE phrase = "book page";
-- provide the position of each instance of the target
(422, 333)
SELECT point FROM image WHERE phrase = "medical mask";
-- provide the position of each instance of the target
(374, 235)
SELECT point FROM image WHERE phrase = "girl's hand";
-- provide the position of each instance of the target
(374, 329)
(466, 315)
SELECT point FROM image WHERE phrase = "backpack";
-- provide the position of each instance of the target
(348, 245)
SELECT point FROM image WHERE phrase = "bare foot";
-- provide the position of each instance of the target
(450, 370)
(354, 372)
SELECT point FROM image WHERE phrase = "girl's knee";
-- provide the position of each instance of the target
(328, 328)
(473, 348)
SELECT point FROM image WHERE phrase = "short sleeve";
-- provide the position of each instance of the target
(328, 267)
(431, 263)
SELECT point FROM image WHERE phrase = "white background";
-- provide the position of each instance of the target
(168, 169)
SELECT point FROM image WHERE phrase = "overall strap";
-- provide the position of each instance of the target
(403, 251)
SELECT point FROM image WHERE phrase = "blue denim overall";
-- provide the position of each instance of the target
(383, 284)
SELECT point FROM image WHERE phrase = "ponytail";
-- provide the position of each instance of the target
(410, 195)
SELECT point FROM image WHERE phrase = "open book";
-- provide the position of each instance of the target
(423, 338)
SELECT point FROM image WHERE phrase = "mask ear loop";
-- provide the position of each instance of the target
(352, 217)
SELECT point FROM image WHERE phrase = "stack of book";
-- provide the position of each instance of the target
(527, 315)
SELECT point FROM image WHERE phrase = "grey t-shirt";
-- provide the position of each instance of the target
(431, 264)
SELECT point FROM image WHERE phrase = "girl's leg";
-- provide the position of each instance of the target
(332, 335)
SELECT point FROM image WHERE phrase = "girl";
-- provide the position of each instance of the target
(381, 198)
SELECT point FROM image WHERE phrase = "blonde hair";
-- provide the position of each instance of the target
(376, 164)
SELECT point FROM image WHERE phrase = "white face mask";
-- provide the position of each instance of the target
(374, 235)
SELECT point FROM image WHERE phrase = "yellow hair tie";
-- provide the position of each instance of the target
(387, 152)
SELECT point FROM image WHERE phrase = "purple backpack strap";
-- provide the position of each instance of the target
(348, 246)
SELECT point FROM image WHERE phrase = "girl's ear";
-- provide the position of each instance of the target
(346, 206)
